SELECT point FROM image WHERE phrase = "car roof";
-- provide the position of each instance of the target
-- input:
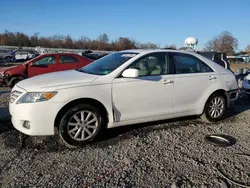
(145, 51)
(67, 53)
(149, 50)
(25, 50)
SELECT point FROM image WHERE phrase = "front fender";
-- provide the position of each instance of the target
(96, 92)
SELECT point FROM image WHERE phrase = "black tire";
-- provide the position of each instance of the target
(206, 116)
(13, 81)
(7, 59)
(63, 126)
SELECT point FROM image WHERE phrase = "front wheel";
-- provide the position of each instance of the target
(80, 125)
(7, 59)
(13, 81)
(215, 108)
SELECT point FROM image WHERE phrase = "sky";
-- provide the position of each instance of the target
(158, 21)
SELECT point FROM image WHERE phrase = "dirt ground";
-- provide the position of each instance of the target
(235, 66)
(170, 153)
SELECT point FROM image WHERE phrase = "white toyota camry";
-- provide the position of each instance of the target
(126, 87)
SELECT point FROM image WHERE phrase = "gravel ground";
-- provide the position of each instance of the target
(169, 153)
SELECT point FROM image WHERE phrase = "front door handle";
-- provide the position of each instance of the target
(212, 77)
(168, 81)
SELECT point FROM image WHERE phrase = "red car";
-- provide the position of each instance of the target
(45, 63)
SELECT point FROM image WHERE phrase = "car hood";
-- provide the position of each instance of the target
(57, 80)
(3, 69)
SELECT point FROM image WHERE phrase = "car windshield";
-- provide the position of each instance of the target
(108, 63)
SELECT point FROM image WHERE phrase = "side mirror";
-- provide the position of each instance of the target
(130, 73)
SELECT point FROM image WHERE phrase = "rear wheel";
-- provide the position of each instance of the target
(215, 108)
(80, 125)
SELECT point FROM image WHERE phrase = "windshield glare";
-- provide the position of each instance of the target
(108, 63)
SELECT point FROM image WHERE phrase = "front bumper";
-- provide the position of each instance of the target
(41, 116)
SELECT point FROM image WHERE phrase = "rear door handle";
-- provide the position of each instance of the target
(168, 81)
(212, 77)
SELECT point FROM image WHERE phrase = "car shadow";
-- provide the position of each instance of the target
(5, 126)
(108, 137)
(5, 120)
(239, 106)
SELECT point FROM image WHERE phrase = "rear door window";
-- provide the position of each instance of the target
(186, 64)
(68, 59)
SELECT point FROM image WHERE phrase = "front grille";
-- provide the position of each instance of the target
(14, 95)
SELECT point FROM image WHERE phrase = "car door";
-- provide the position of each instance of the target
(2, 53)
(20, 55)
(42, 65)
(193, 79)
(67, 62)
(149, 95)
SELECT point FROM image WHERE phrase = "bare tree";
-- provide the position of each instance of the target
(248, 49)
(147, 45)
(173, 46)
(124, 43)
(34, 39)
(66, 41)
(103, 38)
(224, 42)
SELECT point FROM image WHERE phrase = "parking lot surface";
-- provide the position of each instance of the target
(171, 153)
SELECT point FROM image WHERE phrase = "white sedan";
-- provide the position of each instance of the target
(126, 87)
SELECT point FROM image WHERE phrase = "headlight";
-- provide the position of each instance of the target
(1, 75)
(36, 97)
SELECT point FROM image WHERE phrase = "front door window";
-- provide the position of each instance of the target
(152, 65)
(48, 60)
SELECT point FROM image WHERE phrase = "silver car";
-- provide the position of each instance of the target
(6, 55)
